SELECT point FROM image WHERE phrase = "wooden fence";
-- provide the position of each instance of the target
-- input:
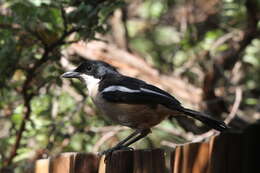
(226, 153)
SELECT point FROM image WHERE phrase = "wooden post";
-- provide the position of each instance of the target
(68, 163)
(137, 161)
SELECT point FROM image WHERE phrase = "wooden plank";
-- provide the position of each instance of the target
(102, 165)
(211, 144)
(42, 166)
(201, 158)
(120, 161)
(86, 163)
(177, 156)
(68, 163)
(190, 156)
(62, 163)
(173, 160)
(185, 159)
(149, 161)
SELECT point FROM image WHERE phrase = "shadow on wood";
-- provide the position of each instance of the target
(137, 161)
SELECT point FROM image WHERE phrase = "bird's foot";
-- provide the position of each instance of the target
(109, 152)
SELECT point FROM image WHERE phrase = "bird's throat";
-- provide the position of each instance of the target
(91, 83)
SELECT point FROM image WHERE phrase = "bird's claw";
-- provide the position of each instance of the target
(109, 152)
(127, 148)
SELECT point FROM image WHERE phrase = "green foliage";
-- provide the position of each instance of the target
(32, 33)
(252, 77)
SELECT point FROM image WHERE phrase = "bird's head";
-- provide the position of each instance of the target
(90, 70)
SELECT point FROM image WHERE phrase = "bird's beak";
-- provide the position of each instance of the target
(71, 74)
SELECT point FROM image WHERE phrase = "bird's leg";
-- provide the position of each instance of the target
(143, 134)
(121, 145)
(127, 138)
(126, 142)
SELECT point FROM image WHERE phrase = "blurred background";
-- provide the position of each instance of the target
(204, 52)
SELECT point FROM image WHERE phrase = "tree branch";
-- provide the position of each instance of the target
(28, 94)
(27, 113)
(228, 59)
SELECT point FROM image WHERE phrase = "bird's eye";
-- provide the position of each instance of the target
(89, 68)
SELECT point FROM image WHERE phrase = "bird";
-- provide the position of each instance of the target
(132, 102)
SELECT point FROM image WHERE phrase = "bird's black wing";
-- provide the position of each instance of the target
(133, 91)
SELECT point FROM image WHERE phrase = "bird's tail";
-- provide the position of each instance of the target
(211, 122)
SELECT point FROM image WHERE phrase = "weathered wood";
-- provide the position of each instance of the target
(62, 163)
(137, 161)
(120, 161)
(176, 160)
(86, 163)
(201, 158)
(146, 161)
(191, 158)
(211, 145)
(68, 163)
(102, 165)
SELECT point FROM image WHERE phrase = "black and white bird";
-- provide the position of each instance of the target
(132, 102)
